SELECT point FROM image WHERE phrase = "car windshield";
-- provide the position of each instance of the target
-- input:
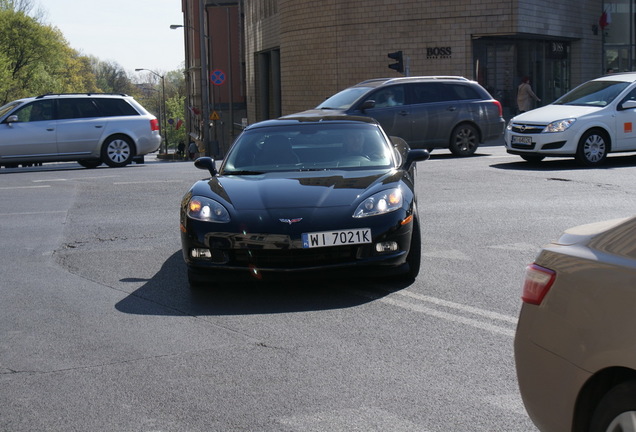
(593, 93)
(343, 99)
(309, 147)
(8, 107)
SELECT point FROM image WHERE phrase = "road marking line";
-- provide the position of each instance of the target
(459, 306)
(447, 254)
(24, 187)
(34, 213)
(446, 315)
(149, 181)
(521, 247)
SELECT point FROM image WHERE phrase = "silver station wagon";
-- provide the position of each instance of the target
(88, 128)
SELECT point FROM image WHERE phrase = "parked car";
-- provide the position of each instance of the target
(428, 112)
(305, 195)
(88, 128)
(587, 123)
(574, 349)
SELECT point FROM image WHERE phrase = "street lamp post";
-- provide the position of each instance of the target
(205, 88)
(162, 107)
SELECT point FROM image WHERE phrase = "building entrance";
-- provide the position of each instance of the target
(501, 63)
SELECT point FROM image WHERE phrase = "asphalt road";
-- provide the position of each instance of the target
(100, 332)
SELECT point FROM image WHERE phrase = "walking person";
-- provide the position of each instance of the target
(192, 150)
(525, 96)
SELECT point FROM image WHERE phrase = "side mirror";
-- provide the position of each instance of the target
(629, 104)
(206, 163)
(367, 104)
(415, 155)
(11, 119)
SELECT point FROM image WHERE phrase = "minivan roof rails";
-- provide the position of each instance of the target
(415, 78)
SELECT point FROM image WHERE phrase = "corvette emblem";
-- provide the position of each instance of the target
(290, 221)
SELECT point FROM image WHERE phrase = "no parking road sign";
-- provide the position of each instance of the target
(217, 77)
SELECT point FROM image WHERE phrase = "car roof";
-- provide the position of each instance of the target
(619, 76)
(71, 95)
(376, 82)
(314, 117)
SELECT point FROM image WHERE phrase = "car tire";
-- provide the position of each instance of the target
(616, 408)
(90, 163)
(117, 151)
(532, 158)
(414, 257)
(464, 140)
(593, 148)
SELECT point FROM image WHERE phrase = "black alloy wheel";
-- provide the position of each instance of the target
(464, 140)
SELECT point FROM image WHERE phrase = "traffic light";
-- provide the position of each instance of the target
(399, 64)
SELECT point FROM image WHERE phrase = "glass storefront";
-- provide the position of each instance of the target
(617, 27)
(500, 63)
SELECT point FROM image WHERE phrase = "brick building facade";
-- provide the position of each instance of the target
(298, 51)
(285, 56)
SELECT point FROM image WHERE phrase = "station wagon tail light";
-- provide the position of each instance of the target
(537, 283)
(154, 125)
(499, 107)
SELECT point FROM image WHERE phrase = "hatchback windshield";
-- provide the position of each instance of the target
(344, 99)
(308, 147)
(593, 93)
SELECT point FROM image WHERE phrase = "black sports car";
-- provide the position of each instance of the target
(305, 194)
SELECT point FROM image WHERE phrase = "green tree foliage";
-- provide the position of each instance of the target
(35, 58)
(175, 109)
(111, 77)
(150, 94)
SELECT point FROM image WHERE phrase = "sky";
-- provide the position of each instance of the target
(132, 33)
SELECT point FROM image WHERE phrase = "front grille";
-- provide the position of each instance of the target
(523, 146)
(293, 258)
(522, 128)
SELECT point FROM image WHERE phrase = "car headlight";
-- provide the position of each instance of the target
(559, 125)
(380, 203)
(207, 210)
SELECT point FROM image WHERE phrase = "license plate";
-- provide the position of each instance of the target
(525, 140)
(336, 238)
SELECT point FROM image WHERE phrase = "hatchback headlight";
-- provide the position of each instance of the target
(380, 203)
(207, 210)
(559, 125)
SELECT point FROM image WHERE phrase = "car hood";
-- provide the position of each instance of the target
(550, 113)
(300, 190)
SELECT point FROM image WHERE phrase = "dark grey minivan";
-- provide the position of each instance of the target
(428, 111)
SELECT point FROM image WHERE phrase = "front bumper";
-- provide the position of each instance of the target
(283, 253)
(547, 144)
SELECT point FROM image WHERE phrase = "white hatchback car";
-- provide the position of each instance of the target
(596, 118)
(88, 128)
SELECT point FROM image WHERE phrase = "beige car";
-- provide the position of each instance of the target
(574, 349)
